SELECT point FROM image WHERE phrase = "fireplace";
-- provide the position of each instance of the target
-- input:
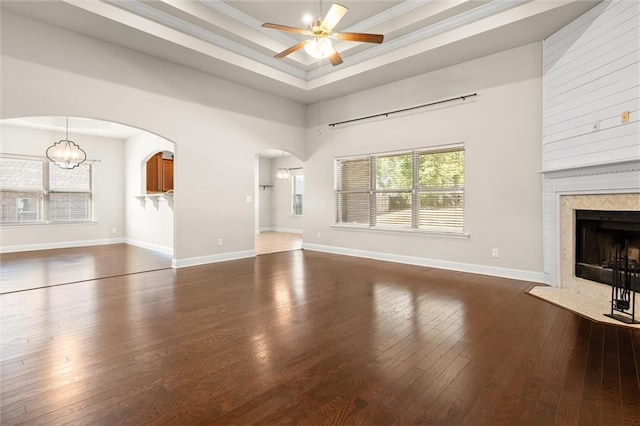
(602, 237)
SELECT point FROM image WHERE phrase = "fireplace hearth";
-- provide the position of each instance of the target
(602, 237)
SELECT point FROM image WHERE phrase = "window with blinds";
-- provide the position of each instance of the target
(420, 189)
(69, 193)
(37, 191)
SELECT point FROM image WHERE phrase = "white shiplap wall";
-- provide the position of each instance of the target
(592, 75)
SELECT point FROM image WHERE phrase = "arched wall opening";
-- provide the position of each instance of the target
(215, 144)
(120, 210)
(279, 201)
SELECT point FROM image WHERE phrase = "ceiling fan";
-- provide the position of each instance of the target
(320, 45)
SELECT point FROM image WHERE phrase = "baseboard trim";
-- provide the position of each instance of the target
(215, 258)
(515, 274)
(149, 246)
(60, 244)
(288, 230)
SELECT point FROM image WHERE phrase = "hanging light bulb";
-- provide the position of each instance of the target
(66, 154)
(282, 173)
(319, 48)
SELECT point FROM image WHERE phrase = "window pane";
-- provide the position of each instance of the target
(21, 207)
(353, 174)
(353, 207)
(394, 172)
(21, 174)
(69, 206)
(77, 179)
(393, 209)
(298, 181)
(441, 169)
(441, 211)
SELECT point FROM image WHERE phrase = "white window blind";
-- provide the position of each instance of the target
(393, 190)
(21, 190)
(418, 189)
(353, 186)
(440, 190)
(21, 174)
(35, 190)
(70, 193)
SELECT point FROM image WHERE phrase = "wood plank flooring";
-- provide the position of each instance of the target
(275, 242)
(18, 272)
(304, 337)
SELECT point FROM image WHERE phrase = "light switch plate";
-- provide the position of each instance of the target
(625, 117)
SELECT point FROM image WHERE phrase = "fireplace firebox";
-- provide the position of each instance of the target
(601, 238)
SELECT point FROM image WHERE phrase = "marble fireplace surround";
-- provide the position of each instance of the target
(583, 190)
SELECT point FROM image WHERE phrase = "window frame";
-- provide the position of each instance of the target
(44, 194)
(415, 192)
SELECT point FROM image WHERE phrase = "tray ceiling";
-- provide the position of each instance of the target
(225, 38)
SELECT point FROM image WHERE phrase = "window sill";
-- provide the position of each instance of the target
(417, 232)
(38, 224)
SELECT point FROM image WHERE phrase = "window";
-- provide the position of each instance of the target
(38, 191)
(69, 197)
(297, 190)
(421, 189)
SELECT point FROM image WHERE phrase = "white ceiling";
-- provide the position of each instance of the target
(225, 38)
(77, 126)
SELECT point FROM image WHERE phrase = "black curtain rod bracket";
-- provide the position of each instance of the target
(386, 114)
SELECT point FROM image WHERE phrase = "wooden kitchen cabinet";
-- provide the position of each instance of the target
(159, 174)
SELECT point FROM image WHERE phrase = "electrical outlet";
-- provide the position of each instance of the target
(114, 230)
(495, 253)
(220, 242)
(249, 199)
(319, 235)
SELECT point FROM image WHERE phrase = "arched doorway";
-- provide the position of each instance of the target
(104, 206)
(279, 202)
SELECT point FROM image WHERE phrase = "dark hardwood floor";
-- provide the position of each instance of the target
(308, 338)
(54, 267)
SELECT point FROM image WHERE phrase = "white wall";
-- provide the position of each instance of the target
(108, 186)
(283, 220)
(501, 128)
(591, 75)
(265, 195)
(149, 221)
(218, 127)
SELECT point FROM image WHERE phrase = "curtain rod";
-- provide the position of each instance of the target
(386, 114)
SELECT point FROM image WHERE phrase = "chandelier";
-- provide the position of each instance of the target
(65, 153)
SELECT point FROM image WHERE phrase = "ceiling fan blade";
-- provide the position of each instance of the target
(335, 58)
(366, 38)
(286, 28)
(334, 15)
(290, 50)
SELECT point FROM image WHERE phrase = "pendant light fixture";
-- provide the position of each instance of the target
(282, 173)
(65, 153)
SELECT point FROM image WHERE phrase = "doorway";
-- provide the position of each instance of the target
(279, 202)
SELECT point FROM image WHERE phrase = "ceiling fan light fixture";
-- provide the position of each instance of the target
(319, 48)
